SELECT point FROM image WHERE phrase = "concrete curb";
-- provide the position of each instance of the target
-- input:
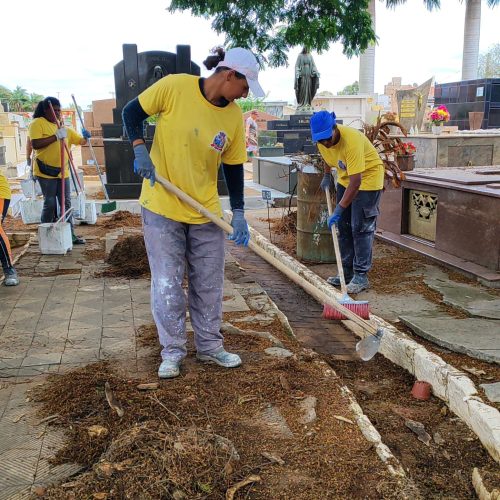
(448, 383)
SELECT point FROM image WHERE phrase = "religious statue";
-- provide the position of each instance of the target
(306, 79)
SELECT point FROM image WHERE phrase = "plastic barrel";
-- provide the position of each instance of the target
(314, 239)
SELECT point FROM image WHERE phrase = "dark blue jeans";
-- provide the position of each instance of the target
(52, 197)
(357, 230)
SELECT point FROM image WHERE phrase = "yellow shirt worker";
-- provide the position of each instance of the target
(360, 181)
(192, 138)
(46, 139)
(50, 155)
(198, 128)
(10, 274)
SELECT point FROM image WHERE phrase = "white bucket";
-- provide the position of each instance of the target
(55, 239)
(90, 212)
(80, 177)
(31, 210)
(30, 188)
(78, 205)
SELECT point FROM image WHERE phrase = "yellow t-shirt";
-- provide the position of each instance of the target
(51, 154)
(355, 154)
(5, 192)
(192, 138)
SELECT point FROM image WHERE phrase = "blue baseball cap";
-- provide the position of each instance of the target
(322, 124)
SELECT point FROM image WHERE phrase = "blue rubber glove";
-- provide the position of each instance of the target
(143, 164)
(335, 217)
(241, 234)
(326, 182)
(86, 134)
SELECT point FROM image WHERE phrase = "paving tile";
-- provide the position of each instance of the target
(41, 358)
(86, 322)
(70, 266)
(18, 492)
(8, 373)
(123, 332)
(91, 286)
(80, 355)
(10, 363)
(115, 347)
(115, 321)
(68, 277)
(82, 334)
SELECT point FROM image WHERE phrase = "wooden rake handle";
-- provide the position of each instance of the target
(321, 297)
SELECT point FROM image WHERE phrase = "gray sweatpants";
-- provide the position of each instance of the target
(170, 246)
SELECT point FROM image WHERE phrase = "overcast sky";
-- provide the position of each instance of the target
(413, 43)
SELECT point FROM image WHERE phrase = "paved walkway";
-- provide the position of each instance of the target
(61, 317)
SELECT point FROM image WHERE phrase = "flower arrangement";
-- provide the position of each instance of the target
(405, 148)
(439, 115)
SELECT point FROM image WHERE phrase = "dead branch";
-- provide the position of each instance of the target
(232, 491)
(112, 401)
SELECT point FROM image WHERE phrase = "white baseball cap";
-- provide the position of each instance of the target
(244, 62)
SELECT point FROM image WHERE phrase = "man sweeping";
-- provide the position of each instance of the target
(360, 180)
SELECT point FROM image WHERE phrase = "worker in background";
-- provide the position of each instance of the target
(199, 127)
(360, 180)
(45, 139)
(251, 134)
(10, 274)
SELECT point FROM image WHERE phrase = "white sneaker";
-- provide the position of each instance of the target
(11, 278)
(222, 358)
(169, 368)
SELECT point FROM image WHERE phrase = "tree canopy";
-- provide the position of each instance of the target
(489, 63)
(352, 89)
(19, 99)
(271, 27)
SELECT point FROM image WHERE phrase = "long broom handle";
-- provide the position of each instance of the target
(99, 173)
(338, 257)
(292, 275)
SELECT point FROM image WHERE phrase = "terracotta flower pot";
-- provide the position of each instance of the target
(421, 390)
(406, 162)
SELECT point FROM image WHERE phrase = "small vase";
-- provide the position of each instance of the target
(437, 129)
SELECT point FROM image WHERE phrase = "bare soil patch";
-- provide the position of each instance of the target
(16, 224)
(444, 468)
(119, 219)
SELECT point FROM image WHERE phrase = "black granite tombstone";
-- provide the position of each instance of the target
(462, 98)
(294, 134)
(133, 75)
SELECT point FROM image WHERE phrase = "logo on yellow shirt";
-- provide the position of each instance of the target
(219, 141)
(342, 165)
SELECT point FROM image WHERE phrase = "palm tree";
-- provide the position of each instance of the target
(18, 99)
(33, 100)
(367, 60)
(472, 29)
